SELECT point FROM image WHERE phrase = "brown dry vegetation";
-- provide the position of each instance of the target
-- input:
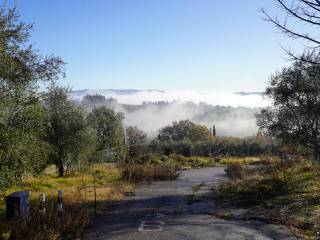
(284, 192)
(78, 203)
(147, 172)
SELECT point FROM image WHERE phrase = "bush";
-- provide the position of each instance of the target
(234, 171)
(254, 190)
(147, 172)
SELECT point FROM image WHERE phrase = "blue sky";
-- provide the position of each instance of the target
(202, 45)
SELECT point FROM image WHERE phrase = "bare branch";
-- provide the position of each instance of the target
(295, 13)
(283, 27)
(311, 5)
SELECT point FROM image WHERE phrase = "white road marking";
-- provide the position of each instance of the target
(152, 226)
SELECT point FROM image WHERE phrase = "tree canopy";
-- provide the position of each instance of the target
(184, 130)
(109, 133)
(22, 68)
(295, 114)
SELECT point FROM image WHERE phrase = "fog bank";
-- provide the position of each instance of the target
(233, 114)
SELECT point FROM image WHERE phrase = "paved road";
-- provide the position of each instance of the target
(164, 211)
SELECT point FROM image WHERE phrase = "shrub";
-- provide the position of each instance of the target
(234, 171)
(254, 190)
(147, 172)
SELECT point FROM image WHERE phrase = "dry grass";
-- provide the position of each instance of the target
(183, 162)
(234, 171)
(147, 172)
(78, 201)
(285, 192)
(51, 225)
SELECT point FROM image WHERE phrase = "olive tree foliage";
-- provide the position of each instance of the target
(109, 131)
(295, 114)
(135, 136)
(299, 19)
(181, 137)
(184, 130)
(136, 139)
(66, 130)
(22, 68)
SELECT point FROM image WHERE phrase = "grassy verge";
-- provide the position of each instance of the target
(183, 162)
(281, 192)
(78, 202)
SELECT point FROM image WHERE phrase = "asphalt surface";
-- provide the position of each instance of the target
(166, 211)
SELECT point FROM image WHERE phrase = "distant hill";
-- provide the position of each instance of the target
(137, 97)
(107, 92)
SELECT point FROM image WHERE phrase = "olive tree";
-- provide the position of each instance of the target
(295, 113)
(22, 68)
(65, 128)
(109, 130)
(136, 139)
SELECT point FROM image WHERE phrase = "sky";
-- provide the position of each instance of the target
(201, 45)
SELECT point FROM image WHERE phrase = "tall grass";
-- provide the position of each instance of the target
(50, 225)
(147, 172)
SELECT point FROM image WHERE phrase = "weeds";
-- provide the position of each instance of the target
(285, 192)
(51, 225)
(195, 197)
(78, 203)
(234, 171)
(147, 172)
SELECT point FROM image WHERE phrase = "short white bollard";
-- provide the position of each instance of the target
(60, 205)
(42, 199)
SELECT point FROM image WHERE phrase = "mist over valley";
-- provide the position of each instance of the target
(233, 114)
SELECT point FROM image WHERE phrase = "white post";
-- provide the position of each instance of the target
(59, 205)
(42, 199)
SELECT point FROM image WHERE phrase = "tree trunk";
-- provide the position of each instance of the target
(60, 168)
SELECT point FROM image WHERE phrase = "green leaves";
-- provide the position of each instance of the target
(66, 128)
(109, 134)
(22, 69)
(295, 115)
